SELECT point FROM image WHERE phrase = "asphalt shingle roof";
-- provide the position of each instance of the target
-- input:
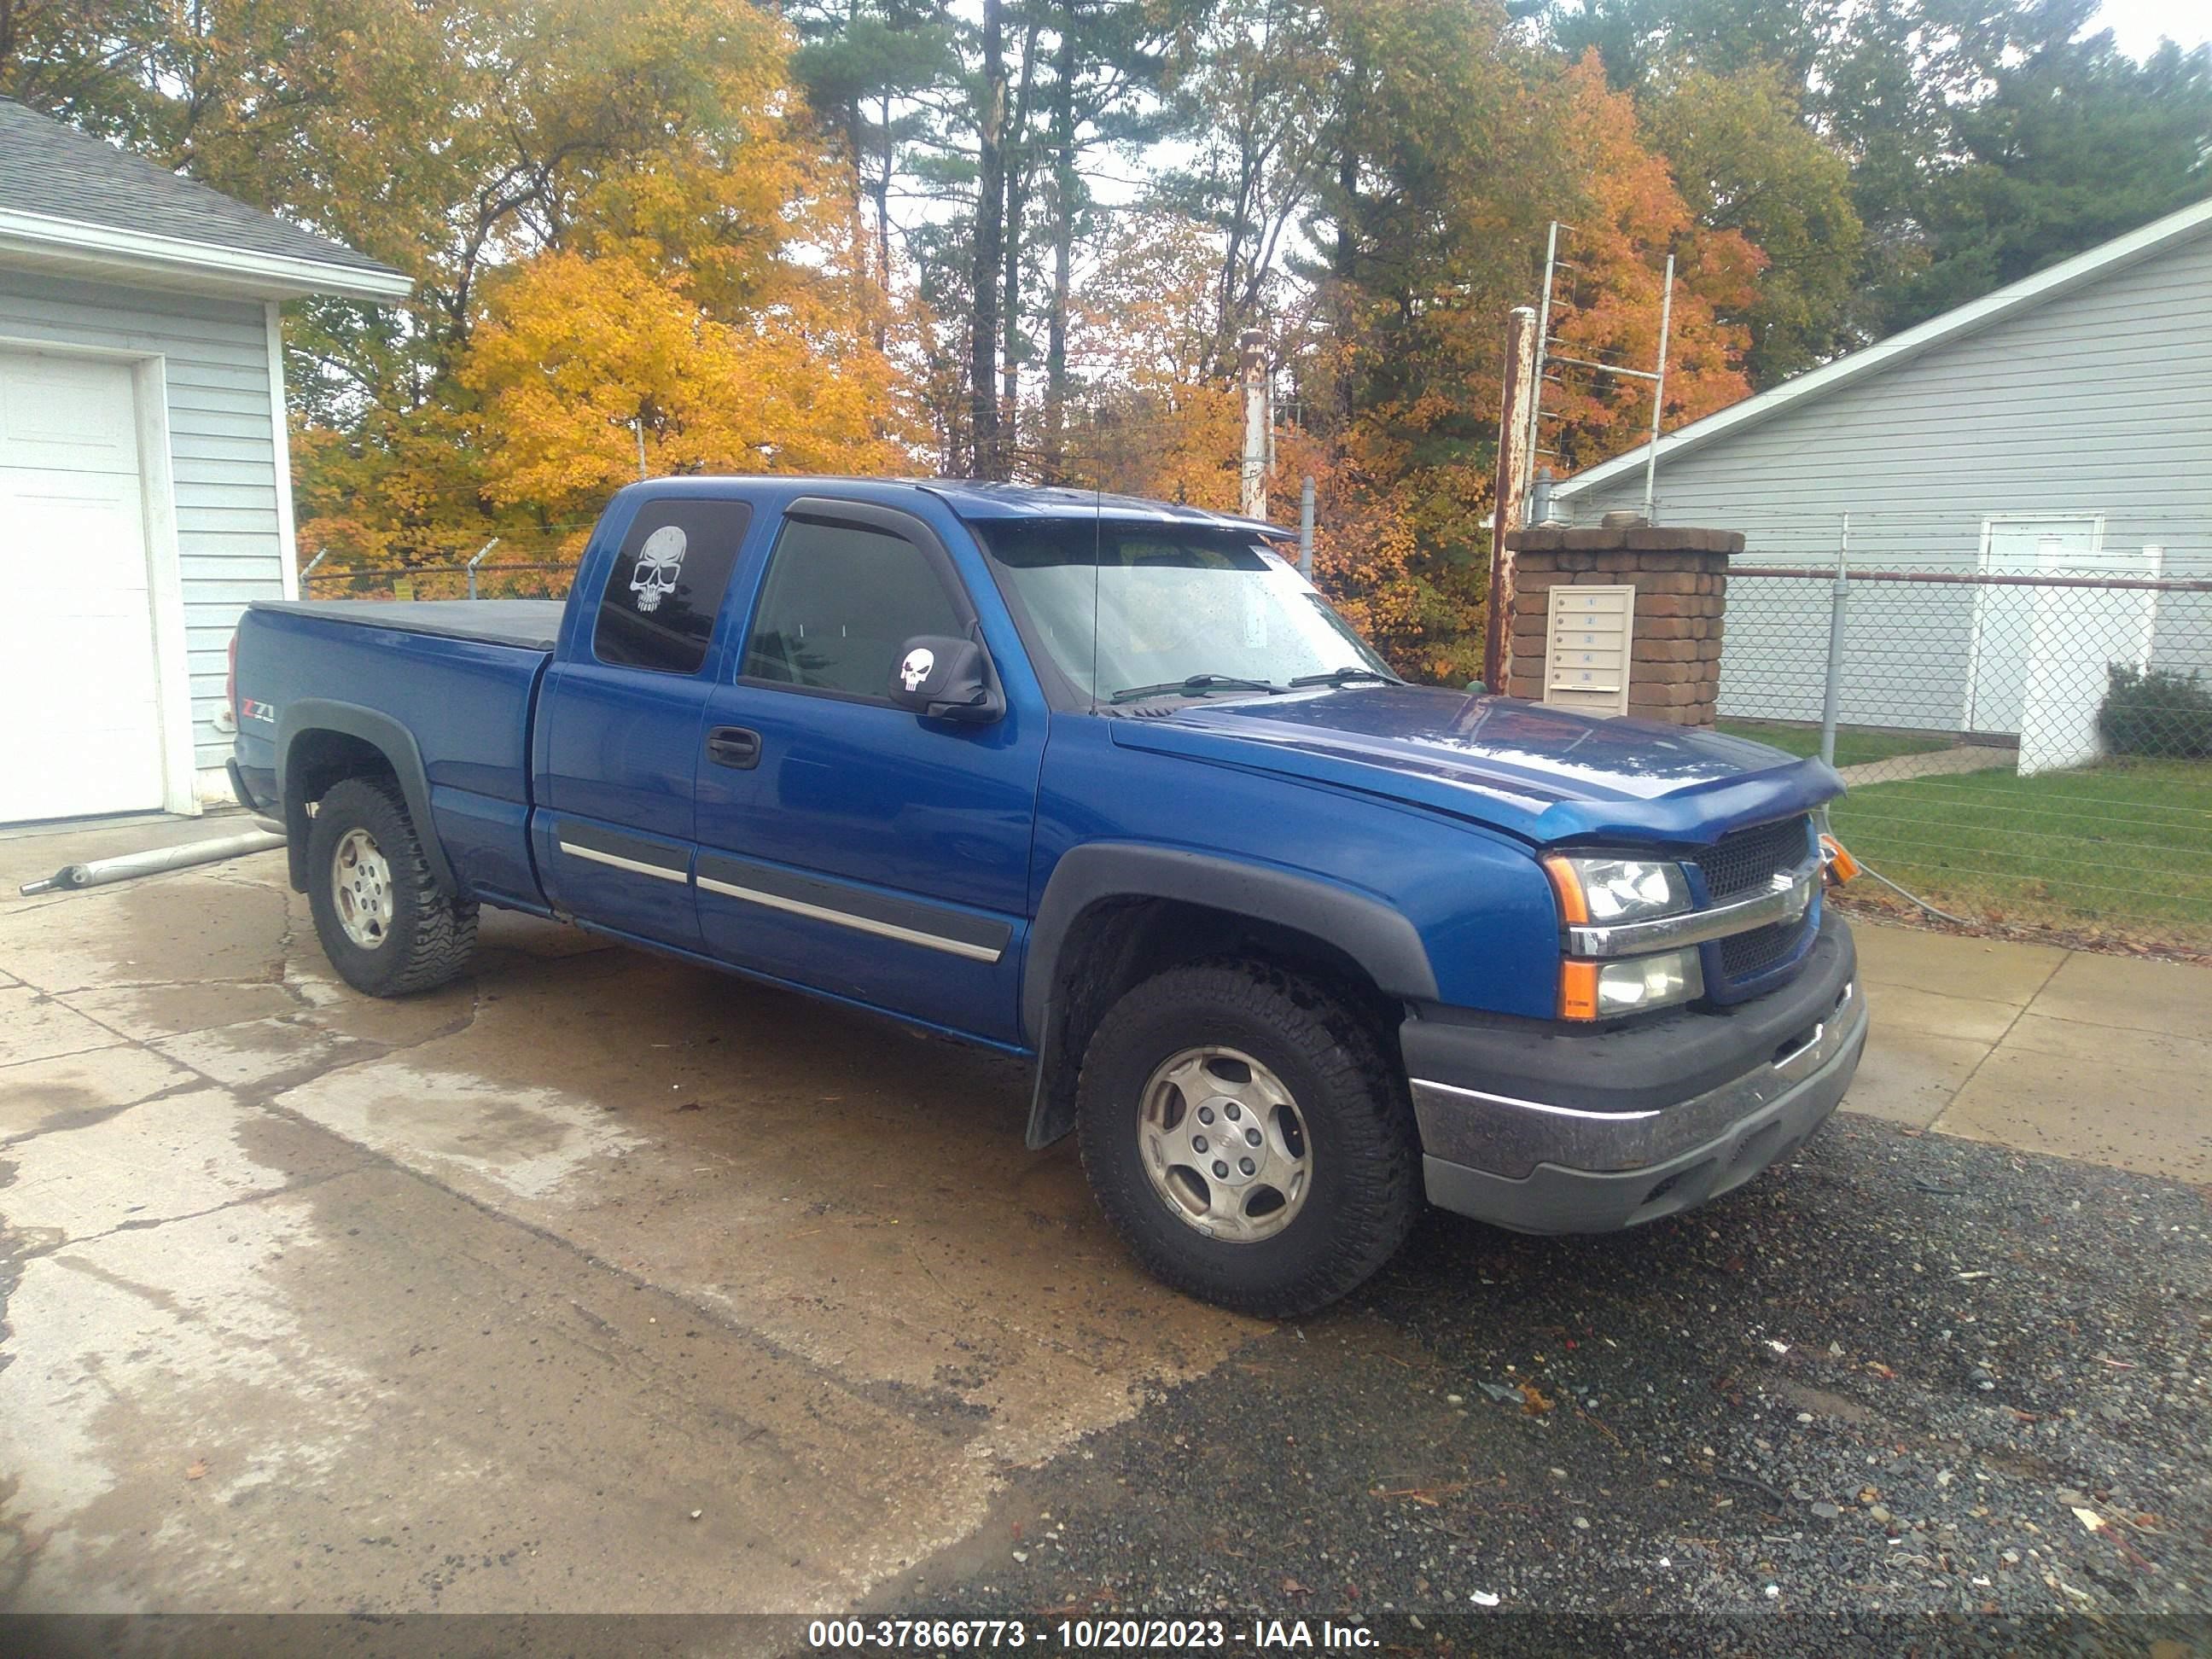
(56, 172)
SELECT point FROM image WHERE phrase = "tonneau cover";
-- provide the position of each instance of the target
(533, 625)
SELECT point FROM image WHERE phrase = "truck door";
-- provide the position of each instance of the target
(618, 724)
(845, 843)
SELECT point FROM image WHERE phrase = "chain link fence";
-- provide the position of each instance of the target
(2026, 728)
(438, 581)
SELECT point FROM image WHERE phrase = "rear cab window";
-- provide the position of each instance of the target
(666, 584)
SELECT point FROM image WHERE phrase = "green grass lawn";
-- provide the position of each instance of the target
(2123, 847)
(1854, 745)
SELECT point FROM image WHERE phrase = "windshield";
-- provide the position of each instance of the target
(1182, 609)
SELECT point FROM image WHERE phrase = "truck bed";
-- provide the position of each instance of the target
(533, 625)
(448, 684)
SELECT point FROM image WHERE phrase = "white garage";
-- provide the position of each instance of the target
(145, 489)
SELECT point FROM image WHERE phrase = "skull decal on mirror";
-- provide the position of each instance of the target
(916, 667)
(659, 564)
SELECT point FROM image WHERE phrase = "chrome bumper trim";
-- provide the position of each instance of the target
(1509, 1138)
(1788, 900)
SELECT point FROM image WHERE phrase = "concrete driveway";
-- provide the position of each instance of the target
(594, 1283)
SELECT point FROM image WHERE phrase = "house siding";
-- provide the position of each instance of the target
(222, 453)
(2097, 402)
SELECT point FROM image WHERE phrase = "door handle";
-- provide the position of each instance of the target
(734, 746)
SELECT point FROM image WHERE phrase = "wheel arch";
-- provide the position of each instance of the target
(320, 742)
(1114, 914)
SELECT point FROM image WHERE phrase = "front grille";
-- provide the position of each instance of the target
(1746, 860)
(1745, 956)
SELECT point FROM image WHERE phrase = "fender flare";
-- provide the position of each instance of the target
(1374, 934)
(389, 738)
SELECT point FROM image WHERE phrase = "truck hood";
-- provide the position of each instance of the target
(1544, 775)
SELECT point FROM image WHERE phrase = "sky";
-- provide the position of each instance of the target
(2138, 24)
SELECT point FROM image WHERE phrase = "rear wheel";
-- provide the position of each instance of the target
(1246, 1136)
(385, 923)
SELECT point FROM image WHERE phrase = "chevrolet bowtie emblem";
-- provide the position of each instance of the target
(1800, 892)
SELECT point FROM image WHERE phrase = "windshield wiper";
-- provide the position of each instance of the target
(1195, 684)
(1345, 676)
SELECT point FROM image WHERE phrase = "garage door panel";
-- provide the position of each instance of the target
(77, 414)
(77, 652)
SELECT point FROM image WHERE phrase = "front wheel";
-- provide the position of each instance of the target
(385, 923)
(1247, 1138)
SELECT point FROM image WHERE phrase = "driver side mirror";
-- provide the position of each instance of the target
(942, 678)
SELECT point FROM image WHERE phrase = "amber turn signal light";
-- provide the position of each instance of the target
(1578, 990)
(1840, 865)
(1574, 909)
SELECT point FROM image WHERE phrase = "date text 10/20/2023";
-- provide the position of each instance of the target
(1089, 1635)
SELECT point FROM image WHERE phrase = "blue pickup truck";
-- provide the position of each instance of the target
(1105, 784)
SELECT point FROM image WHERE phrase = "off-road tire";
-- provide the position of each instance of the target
(432, 934)
(1365, 1194)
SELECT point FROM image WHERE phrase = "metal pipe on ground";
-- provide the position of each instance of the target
(70, 877)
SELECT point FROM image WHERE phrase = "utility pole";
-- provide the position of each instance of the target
(990, 230)
(1516, 436)
(1305, 527)
(1252, 474)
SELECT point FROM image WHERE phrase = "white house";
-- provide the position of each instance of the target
(145, 481)
(2062, 424)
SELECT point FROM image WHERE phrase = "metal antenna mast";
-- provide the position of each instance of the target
(1543, 343)
(1545, 356)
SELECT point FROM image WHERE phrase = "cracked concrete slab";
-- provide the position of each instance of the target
(146, 1012)
(175, 1154)
(35, 1026)
(260, 1055)
(181, 928)
(41, 1094)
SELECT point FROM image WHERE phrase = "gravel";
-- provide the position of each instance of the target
(1905, 1376)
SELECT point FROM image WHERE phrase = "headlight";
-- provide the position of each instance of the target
(1605, 890)
(1604, 990)
(1606, 893)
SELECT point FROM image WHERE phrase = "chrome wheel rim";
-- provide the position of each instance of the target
(1224, 1144)
(361, 885)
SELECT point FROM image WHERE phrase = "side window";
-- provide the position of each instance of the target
(658, 609)
(838, 604)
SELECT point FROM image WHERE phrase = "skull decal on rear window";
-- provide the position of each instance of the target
(659, 564)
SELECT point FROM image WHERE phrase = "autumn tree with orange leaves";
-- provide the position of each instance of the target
(1450, 144)
(627, 229)
(615, 211)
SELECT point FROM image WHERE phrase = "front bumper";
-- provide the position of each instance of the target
(1606, 1130)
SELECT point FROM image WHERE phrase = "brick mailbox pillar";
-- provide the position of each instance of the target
(1680, 579)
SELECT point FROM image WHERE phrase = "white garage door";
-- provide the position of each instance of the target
(77, 674)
